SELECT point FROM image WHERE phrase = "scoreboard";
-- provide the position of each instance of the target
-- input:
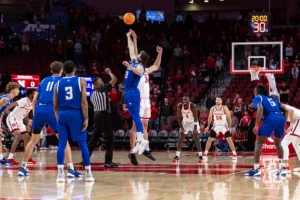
(27, 81)
(259, 23)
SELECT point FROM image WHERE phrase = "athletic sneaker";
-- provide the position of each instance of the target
(283, 171)
(5, 162)
(89, 177)
(148, 155)
(73, 173)
(60, 177)
(200, 159)
(13, 162)
(140, 147)
(23, 172)
(296, 169)
(133, 159)
(176, 159)
(253, 172)
(234, 157)
(31, 162)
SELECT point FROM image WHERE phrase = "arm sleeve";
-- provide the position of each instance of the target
(257, 100)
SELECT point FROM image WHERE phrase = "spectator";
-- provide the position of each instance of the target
(177, 55)
(235, 100)
(98, 36)
(219, 64)
(51, 46)
(166, 112)
(186, 55)
(295, 71)
(179, 77)
(193, 74)
(234, 122)
(211, 101)
(287, 68)
(203, 136)
(78, 51)
(121, 87)
(94, 50)
(157, 91)
(25, 42)
(297, 60)
(203, 116)
(195, 35)
(15, 42)
(245, 123)
(153, 121)
(238, 108)
(94, 70)
(2, 47)
(60, 50)
(211, 64)
(238, 138)
(179, 91)
(289, 51)
(228, 103)
(127, 121)
(222, 144)
(118, 50)
(284, 93)
(69, 48)
(115, 97)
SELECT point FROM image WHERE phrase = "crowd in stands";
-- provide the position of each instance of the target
(193, 58)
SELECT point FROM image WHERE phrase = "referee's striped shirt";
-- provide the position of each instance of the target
(100, 99)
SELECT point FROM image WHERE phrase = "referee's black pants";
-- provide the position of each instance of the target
(102, 124)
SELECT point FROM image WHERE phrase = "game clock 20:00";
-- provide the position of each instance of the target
(259, 23)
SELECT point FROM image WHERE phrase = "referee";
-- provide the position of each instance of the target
(102, 117)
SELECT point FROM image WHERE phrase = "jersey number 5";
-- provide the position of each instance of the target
(271, 102)
(69, 94)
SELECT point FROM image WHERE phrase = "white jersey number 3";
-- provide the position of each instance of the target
(69, 91)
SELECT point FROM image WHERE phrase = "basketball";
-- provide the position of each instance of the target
(129, 18)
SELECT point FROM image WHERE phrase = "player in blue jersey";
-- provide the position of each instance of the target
(43, 113)
(12, 89)
(71, 112)
(270, 110)
(134, 72)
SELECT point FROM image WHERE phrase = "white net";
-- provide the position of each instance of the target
(254, 71)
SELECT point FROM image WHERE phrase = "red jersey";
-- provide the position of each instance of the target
(245, 121)
(154, 112)
(238, 136)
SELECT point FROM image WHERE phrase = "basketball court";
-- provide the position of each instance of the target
(219, 178)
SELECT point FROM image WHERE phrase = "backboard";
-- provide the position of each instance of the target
(268, 55)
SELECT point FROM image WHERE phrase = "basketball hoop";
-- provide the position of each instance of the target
(254, 71)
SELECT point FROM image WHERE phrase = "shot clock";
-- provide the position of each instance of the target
(259, 23)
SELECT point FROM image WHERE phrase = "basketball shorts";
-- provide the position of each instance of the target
(44, 114)
(132, 99)
(296, 129)
(14, 124)
(189, 127)
(217, 129)
(273, 123)
(70, 125)
(145, 109)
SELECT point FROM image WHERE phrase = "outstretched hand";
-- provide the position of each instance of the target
(133, 34)
(159, 49)
(126, 64)
(107, 70)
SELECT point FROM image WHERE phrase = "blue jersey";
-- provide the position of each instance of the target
(269, 104)
(131, 79)
(7, 104)
(69, 93)
(45, 89)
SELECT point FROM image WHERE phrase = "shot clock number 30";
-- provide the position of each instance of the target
(259, 23)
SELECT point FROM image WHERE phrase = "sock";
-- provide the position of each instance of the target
(234, 152)
(139, 136)
(60, 169)
(178, 153)
(11, 156)
(256, 165)
(70, 166)
(205, 152)
(1, 156)
(88, 169)
(24, 164)
(148, 148)
(200, 153)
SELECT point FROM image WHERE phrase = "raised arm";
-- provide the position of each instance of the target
(139, 70)
(130, 46)
(113, 78)
(180, 117)
(134, 36)
(84, 105)
(228, 115)
(157, 62)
